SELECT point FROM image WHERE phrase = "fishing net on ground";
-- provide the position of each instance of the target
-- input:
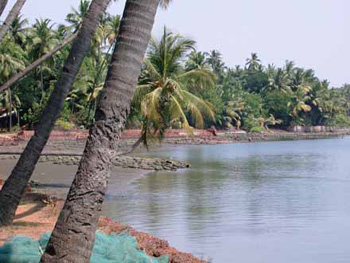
(112, 248)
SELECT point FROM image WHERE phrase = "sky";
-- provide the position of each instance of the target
(312, 33)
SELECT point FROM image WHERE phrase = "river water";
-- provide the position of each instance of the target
(247, 203)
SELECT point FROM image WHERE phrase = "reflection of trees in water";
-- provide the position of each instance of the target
(255, 192)
(278, 197)
(203, 202)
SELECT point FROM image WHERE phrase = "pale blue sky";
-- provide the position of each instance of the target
(313, 33)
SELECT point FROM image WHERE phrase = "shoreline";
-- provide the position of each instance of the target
(77, 138)
(38, 213)
(35, 218)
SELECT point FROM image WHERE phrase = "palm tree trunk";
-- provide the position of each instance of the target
(14, 187)
(3, 4)
(74, 233)
(16, 9)
(89, 119)
(37, 63)
(41, 85)
(18, 119)
(10, 101)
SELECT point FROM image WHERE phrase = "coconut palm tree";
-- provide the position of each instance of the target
(271, 120)
(233, 113)
(42, 38)
(253, 63)
(15, 11)
(278, 80)
(11, 103)
(42, 41)
(38, 62)
(197, 60)
(19, 31)
(299, 103)
(289, 68)
(73, 236)
(14, 187)
(12, 59)
(164, 94)
(75, 19)
(214, 59)
(112, 27)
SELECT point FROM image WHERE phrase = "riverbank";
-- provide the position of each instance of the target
(66, 147)
(38, 214)
(76, 138)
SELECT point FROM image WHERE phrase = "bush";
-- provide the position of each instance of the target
(339, 121)
(257, 129)
(61, 124)
(249, 123)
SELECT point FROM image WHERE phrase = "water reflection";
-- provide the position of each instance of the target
(263, 202)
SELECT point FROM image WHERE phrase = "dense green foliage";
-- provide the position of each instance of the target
(178, 87)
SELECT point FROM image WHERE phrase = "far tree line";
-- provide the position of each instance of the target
(179, 87)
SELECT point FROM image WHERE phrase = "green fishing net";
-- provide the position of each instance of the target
(112, 248)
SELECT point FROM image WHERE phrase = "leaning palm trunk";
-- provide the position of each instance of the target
(74, 233)
(16, 9)
(3, 4)
(37, 63)
(14, 187)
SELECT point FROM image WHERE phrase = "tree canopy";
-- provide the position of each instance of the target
(180, 87)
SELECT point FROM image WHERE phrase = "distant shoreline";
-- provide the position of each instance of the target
(71, 142)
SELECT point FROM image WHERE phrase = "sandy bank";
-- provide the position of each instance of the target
(38, 214)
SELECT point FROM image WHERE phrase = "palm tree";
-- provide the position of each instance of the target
(74, 233)
(289, 68)
(215, 61)
(75, 19)
(253, 63)
(299, 103)
(12, 59)
(164, 94)
(14, 187)
(11, 103)
(42, 41)
(196, 60)
(37, 63)
(271, 120)
(42, 38)
(233, 112)
(16, 9)
(103, 41)
(345, 94)
(18, 30)
(279, 81)
(112, 27)
(3, 4)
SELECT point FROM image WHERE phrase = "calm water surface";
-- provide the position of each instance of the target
(247, 203)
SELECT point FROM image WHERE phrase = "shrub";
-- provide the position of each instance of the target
(61, 124)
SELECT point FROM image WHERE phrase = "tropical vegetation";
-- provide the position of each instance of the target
(179, 87)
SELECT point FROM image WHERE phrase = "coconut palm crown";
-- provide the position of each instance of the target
(163, 96)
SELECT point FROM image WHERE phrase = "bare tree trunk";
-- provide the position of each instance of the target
(18, 119)
(10, 101)
(3, 4)
(37, 63)
(14, 187)
(15, 11)
(73, 237)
